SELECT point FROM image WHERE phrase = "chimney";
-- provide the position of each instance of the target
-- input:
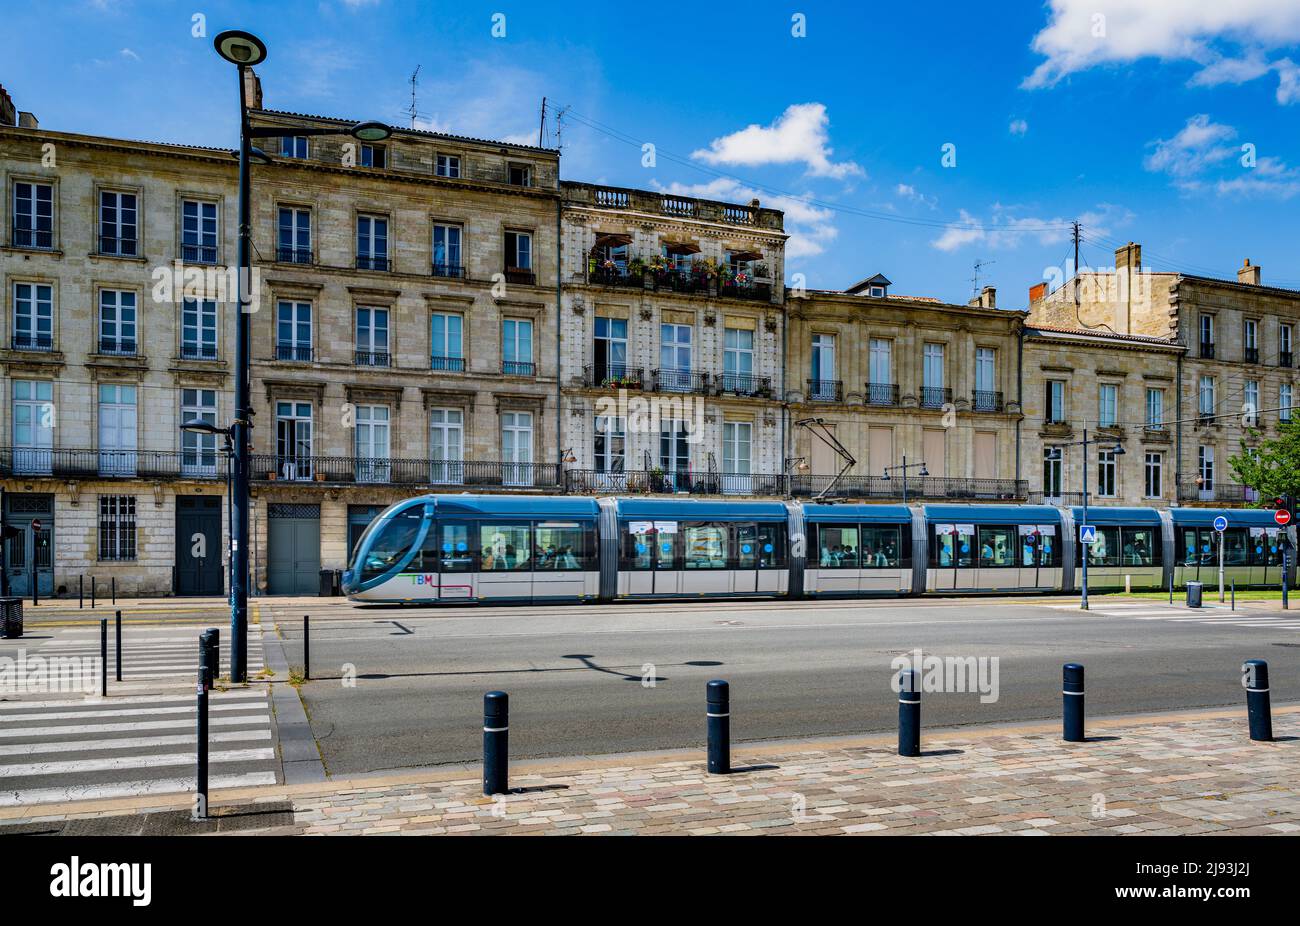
(1129, 256)
(252, 89)
(27, 121)
(1037, 292)
(1248, 275)
(987, 299)
(8, 113)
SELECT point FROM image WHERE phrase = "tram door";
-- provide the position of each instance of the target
(649, 558)
(745, 577)
(455, 558)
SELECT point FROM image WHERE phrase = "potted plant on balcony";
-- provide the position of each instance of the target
(762, 273)
(659, 272)
(636, 268)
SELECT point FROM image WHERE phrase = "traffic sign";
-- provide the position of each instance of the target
(1087, 533)
(36, 524)
(1220, 524)
(1282, 516)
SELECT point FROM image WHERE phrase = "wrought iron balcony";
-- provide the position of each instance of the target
(36, 239)
(688, 381)
(520, 275)
(36, 342)
(1207, 350)
(198, 352)
(89, 463)
(518, 368)
(881, 394)
(117, 347)
(612, 376)
(118, 247)
(1251, 354)
(199, 253)
(298, 353)
(449, 271)
(986, 401)
(372, 358)
(1195, 490)
(286, 255)
(659, 481)
(271, 467)
(680, 281)
(447, 364)
(374, 262)
(732, 289)
(825, 390)
(614, 276)
(746, 384)
(1284, 358)
(935, 396)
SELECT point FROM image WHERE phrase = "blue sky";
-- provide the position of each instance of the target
(1170, 123)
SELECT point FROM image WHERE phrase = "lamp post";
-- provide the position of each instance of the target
(245, 50)
(1117, 450)
(903, 468)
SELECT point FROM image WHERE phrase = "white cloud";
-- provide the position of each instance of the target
(1006, 229)
(1202, 148)
(911, 194)
(1018, 127)
(810, 227)
(798, 136)
(128, 53)
(1198, 145)
(1288, 81)
(1227, 39)
(484, 103)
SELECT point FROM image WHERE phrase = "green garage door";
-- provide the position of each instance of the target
(293, 549)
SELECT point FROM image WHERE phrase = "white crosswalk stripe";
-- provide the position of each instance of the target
(1212, 616)
(83, 748)
(149, 654)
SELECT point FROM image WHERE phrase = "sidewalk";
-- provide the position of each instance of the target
(1190, 774)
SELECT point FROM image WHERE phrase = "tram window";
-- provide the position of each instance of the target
(1028, 548)
(839, 547)
(1264, 550)
(638, 546)
(997, 546)
(1049, 551)
(771, 546)
(561, 546)
(505, 547)
(392, 542)
(1188, 549)
(1234, 547)
(1141, 548)
(1105, 550)
(746, 546)
(880, 547)
(965, 549)
(705, 546)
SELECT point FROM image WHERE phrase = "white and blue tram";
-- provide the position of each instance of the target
(504, 548)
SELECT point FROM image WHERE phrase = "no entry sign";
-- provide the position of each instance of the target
(1282, 516)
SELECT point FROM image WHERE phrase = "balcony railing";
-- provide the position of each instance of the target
(935, 396)
(1191, 490)
(672, 482)
(985, 401)
(746, 384)
(1207, 350)
(1251, 354)
(825, 390)
(199, 253)
(370, 262)
(612, 376)
(118, 247)
(666, 481)
(680, 281)
(1060, 499)
(520, 276)
(447, 364)
(35, 239)
(1284, 358)
(449, 271)
(88, 463)
(614, 276)
(731, 289)
(690, 381)
(881, 394)
(518, 368)
(293, 255)
(37, 342)
(372, 358)
(198, 352)
(271, 467)
(299, 353)
(117, 347)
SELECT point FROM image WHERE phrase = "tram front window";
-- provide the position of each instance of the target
(391, 543)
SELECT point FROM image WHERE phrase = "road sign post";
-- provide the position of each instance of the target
(1087, 535)
(1221, 525)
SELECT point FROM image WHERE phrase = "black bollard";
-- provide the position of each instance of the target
(496, 743)
(118, 660)
(113, 583)
(201, 749)
(717, 715)
(92, 593)
(1234, 595)
(214, 661)
(1171, 588)
(103, 657)
(81, 592)
(306, 647)
(1254, 676)
(1072, 702)
(205, 669)
(909, 712)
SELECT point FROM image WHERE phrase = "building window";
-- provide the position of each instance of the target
(520, 175)
(1055, 401)
(33, 417)
(736, 441)
(294, 243)
(293, 438)
(985, 379)
(118, 226)
(1250, 340)
(372, 242)
(610, 442)
(293, 331)
(446, 443)
(372, 337)
(1107, 402)
(1205, 469)
(1155, 409)
(1106, 473)
(824, 386)
(293, 146)
(1153, 485)
(674, 449)
(117, 322)
(609, 348)
(881, 362)
(371, 444)
(1284, 402)
(446, 251)
(373, 156)
(517, 347)
(517, 447)
(33, 216)
(519, 251)
(932, 389)
(447, 165)
(33, 316)
(1052, 472)
(446, 350)
(738, 360)
(199, 329)
(198, 450)
(1207, 397)
(675, 357)
(117, 527)
(117, 430)
(1284, 340)
(198, 232)
(1250, 406)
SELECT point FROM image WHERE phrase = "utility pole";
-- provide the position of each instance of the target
(541, 127)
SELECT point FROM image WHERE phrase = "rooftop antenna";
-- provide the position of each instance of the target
(414, 79)
(975, 280)
(559, 129)
(541, 128)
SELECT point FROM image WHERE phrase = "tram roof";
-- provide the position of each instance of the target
(515, 506)
(1237, 517)
(866, 514)
(1118, 515)
(672, 509)
(993, 514)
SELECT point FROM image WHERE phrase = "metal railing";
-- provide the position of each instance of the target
(372, 358)
(118, 247)
(449, 271)
(1284, 358)
(198, 352)
(271, 467)
(199, 253)
(93, 463)
(681, 281)
(659, 481)
(612, 376)
(296, 352)
(293, 255)
(1189, 490)
(520, 276)
(447, 364)
(986, 401)
(1207, 350)
(731, 289)
(687, 381)
(37, 342)
(117, 347)
(518, 368)
(369, 262)
(674, 482)
(1059, 500)
(746, 384)
(825, 390)
(881, 394)
(935, 396)
(615, 276)
(33, 238)
(1251, 354)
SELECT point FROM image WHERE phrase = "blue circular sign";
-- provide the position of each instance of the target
(1220, 523)
(746, 548)
(767, 548)
(640, 547)
(965, 547)
(462, 547)
(446, 548)
(667, 547)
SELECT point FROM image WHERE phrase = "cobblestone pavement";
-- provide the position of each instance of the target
(1176, 774)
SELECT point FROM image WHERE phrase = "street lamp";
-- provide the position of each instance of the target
(1059, 454)
(245, 50)
(903, 468)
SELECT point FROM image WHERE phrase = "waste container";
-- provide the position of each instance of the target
(326, 583)
(11, 617)
(1194, 594)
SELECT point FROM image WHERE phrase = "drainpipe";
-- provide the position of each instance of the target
(1178, 430)
(785, 361)
(1020, 391)
(559, 295)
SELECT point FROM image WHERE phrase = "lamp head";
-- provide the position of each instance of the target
(370, 131)
(202, 427)
(239, 47)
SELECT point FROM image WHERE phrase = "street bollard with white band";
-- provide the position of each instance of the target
(909, 712)
(1072, 702)
(1254, 676)
(718, 715)
(496, 743)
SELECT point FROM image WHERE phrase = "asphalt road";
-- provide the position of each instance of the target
(575, 675)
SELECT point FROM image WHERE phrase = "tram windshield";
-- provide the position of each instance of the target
(390, 543)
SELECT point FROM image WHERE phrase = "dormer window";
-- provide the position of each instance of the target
(447, 165)
(878, 292)
(373, 156)
(520, 175)
(293, 146)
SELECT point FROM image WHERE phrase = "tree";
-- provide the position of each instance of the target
(1272, 468)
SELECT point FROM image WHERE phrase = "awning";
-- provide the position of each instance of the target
(683, 248)
(745, 255)
(612, 241)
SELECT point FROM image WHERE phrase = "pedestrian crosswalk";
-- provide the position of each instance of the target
(1213, 615)
(92, 748)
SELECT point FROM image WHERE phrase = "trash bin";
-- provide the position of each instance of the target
(338, 582)
(11, 617)
(326, 582)
(1194, 594)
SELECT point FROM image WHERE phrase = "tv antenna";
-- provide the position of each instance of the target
(975, 280)
(412, 111)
